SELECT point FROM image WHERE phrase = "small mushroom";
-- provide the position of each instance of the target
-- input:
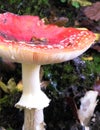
(87, 107)
(49, 44)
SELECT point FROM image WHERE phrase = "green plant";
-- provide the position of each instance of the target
(77, 3)
(10, 128)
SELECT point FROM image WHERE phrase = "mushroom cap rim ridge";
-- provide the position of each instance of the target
(39, 56)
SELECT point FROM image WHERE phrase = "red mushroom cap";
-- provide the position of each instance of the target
(27, 39)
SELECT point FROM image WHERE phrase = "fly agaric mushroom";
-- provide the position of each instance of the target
(27, 40)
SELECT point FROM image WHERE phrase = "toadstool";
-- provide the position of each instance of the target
(27, 40)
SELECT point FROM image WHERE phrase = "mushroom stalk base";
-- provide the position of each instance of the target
(33, 119)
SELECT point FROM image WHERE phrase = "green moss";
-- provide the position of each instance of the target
(25, 7)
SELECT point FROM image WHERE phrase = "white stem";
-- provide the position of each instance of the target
(33, 120)
(33, 100)
(31, 81)
(32, 96)
(39, 120)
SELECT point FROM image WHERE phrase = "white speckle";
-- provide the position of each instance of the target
(39, 23)
(63, 41)
(22, 42)
(61, 47)
(7, 41)
(49, 46)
